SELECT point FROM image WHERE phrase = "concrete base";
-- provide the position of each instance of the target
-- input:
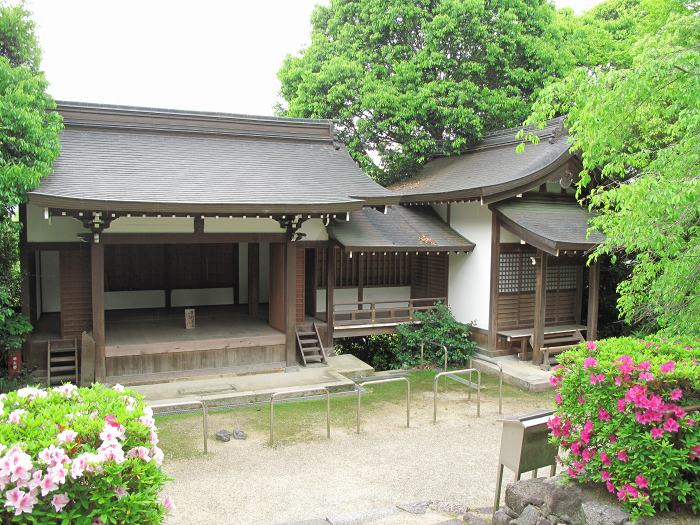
(226, 390)
(522, 374)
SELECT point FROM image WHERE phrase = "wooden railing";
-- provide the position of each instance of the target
(364, 313)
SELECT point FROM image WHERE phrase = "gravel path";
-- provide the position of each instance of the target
(248, 483)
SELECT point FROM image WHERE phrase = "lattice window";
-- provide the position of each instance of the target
(562, 277)
(509, 272)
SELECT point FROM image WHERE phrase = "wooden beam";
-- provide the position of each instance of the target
(253, 279)
(290, 301)
(593, 292)
(97, 279)
(493, 287)
(189, 238)
(199, 225)
(330, 287)
(540, 306)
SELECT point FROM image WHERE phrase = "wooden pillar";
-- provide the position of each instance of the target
(493, 288)
(360, 279)
(25, 271)
(330, 287)
(253, 279)
(540, 306)
(97, 279)
(167, 274)
(290, 301)
(593, 291)
(236, 274)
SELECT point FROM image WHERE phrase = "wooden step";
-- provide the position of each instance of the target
(314, 358)
(305, 334)
(63, 359)
(559, 340)
(69, 368)
(311, 350)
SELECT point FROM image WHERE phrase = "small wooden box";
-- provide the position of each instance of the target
(189, 318)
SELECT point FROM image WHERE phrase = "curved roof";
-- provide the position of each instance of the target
(417, 228)
(137, 159)
(492, 170)
(549, 225)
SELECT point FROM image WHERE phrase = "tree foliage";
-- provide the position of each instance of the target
(407, 81)
(635, 119)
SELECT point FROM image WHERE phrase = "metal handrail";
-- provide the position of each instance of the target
(422, 350)
(389, 380)
(454, 373)
(500, 377)
(205, 415)
(300, 391)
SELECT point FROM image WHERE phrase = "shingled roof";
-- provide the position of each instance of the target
(552, 226)
(417, 228)
(490, 171)
(120, 158)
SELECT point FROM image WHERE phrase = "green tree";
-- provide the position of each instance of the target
(407, 81)
(28, 146)
(636, 124)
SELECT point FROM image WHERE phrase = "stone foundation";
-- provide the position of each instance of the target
(549, 501)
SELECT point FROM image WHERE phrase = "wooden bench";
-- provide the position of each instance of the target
(556, 340)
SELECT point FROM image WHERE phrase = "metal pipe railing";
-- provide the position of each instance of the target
(358, 389)
(500, 377)
(300, 391)
(452, 374)
(205, 415)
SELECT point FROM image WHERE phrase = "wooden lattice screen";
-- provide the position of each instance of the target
(392, 269)
(516, 288)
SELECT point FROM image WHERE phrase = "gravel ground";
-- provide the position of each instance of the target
(248, 483)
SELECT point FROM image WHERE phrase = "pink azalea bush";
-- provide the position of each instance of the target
(84, 456)
(626, 418)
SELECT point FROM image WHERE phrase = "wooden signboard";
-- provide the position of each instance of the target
(189, 318)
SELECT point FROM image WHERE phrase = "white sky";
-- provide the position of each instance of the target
(206, 55)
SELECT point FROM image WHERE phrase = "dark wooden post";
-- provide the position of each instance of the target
(253, 278)
(360, 279)
(25, 291)
(540, 306)
(593, 289)
(167, 276)
(236, 273)
(330, 287)
(290, 301)
(493, 289)
(97, 278)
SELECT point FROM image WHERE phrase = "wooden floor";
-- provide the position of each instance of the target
(163, 327)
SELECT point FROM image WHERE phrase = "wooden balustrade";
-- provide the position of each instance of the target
(384, 313)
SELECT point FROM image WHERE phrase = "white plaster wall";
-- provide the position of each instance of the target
(57, 229)
(315, 230)
(240, 225)
(151, 225)
(125, 300)
(373, 294)
(507, 236)
(469, 279)
(201, 297)
(50, 282)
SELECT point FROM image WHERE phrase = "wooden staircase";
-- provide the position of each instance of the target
(310, 346)
(62, 361)
(553, 346)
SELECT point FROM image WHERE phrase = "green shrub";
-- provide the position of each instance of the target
(403, 349)
(84, 456)
(624, 420)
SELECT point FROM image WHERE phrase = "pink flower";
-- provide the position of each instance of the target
(605, 458)
(590, 345)
(21, 501)
(47, 485)
(644, 365)
(67, 436)
(605, 475)
(98, 521)
(622, 456)
(671, 425)
(59, 501)
(631, 491)
(621, 405)
(169, 504)
(595, 379)
(118, 388)
(612, 438)
(641, 482)
(139, 452)
(603, 415)
(676, 394)
(621, 494)
(15, 416)
(625, 364)
(589, 362)
(587, 431)
(120, 492)
(646, 376)
(668, 367)
(657, 433)
(610, 487)
(557, 398)
(694, 452)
